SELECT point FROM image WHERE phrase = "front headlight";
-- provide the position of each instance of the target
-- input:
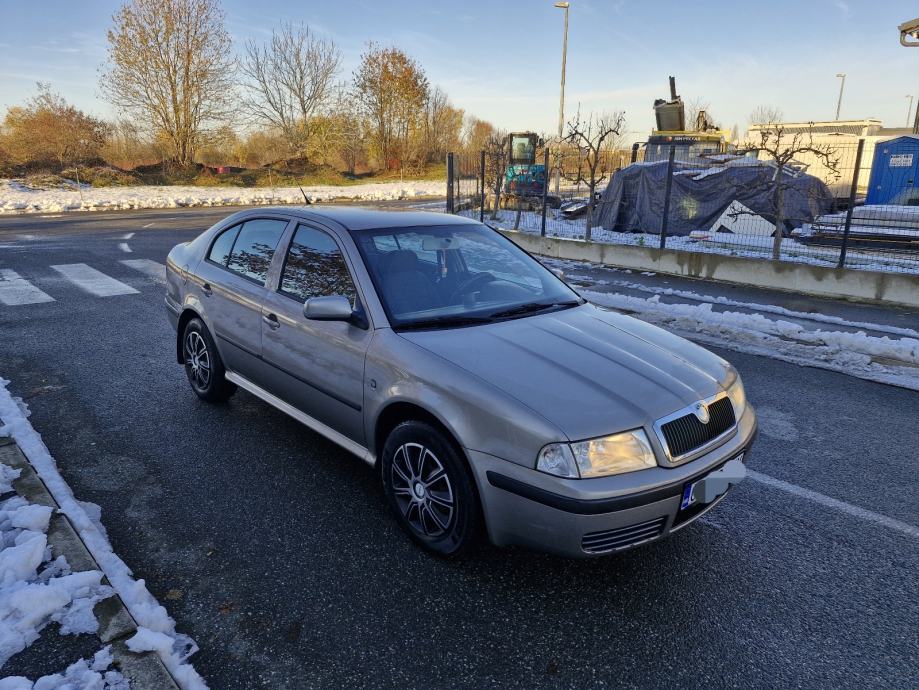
(616, 454)
(556, 459)
(738, 397)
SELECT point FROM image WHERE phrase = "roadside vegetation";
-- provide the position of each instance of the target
(280, 112)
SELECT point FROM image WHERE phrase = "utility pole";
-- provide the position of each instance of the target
(561, 98)
(909, 110)
(842, 85)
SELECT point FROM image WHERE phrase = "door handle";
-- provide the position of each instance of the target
(206, 289)
(272, 321)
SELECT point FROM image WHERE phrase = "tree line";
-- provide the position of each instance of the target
(184, 95)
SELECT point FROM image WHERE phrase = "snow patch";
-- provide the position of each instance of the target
(29, 599)
(85, 674)
(15, 198)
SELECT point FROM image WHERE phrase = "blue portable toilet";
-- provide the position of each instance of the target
(895, 172)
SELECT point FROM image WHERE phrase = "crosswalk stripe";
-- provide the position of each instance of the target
(16, 290)
(148, 267)
(92, 281)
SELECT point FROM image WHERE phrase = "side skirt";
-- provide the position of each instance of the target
(314, 424)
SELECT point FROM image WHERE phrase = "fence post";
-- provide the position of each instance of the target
(450, 183)
(482, 186)
(668, 186)
(545, 191)
(852, 192)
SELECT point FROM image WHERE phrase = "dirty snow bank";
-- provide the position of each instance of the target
(856, 354)
(16, 198)
(25, 602)
(82, 675)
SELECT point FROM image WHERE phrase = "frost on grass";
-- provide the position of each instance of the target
(34, 590)
(85, 674)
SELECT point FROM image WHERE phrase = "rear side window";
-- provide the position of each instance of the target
(314, 267)
(254, 247)
(220, 250)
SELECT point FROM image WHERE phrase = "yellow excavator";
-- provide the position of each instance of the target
(690, 145)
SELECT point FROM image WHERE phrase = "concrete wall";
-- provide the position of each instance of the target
(894, 288)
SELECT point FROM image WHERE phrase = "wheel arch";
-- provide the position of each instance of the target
(400, 411)
(187, 315)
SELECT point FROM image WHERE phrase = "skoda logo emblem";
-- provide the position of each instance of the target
(701, 412)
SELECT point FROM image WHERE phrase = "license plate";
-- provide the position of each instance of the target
(689, 491)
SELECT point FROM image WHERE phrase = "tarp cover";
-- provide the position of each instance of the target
(634, 198)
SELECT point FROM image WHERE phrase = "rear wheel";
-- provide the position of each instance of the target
(429, 489)
(203, 366)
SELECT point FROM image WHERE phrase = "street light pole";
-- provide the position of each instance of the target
(909, 109)
(842, 85)
(561, 98)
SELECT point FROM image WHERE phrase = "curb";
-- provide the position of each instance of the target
(143, 671)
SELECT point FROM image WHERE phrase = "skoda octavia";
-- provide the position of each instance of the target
(490, 397)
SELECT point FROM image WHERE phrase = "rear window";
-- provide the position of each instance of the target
(254, 247)
(220, 250)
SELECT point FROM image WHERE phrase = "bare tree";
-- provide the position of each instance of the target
(771, 142)
(291, 80)
(766, 115)
(170, 65)
(495, 165)
(595, 139)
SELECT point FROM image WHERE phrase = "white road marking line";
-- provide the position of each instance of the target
(16, 290)
(835, 504)
(92, 281)
(123, 246)
(128, 235)
(155, 270)
(148, 225)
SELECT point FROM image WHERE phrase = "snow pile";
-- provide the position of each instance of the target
(34, 590)
(856, 354)
(82, 675)
(139, 601)
(15, 198)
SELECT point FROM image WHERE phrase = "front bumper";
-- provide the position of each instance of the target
(591, 517)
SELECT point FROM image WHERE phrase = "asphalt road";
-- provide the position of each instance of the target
(279, 558)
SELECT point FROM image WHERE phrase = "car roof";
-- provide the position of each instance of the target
(358, 218)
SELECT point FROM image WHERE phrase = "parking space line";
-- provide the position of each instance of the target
(148, 267)
(835, 504)
(16, 290)
(92, 281)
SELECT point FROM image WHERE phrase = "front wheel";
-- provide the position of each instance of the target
(430, 490)
(203, 365)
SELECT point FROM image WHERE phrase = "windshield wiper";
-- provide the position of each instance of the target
(444, 322)
(533, 308)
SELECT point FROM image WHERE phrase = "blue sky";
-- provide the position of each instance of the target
(500, 60)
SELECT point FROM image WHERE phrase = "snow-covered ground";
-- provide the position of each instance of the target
(750, 246)
(767, 330)
(15, 198)
(36, 590)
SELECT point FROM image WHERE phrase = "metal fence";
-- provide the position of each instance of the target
(820, 207)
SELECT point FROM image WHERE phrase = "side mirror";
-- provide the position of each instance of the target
(328, 308)
(558, 273)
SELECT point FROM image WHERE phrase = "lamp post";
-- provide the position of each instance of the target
(561, 98)
(909, 109)
(842, 85)
(909, 37)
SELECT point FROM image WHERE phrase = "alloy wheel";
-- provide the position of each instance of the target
(422, 490)
(197, 359)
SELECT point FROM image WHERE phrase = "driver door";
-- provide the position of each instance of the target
(316, 366)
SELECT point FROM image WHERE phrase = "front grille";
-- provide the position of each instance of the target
(622, 537)
(686, 433)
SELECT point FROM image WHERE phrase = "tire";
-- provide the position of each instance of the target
(429, 489)
(203, 366)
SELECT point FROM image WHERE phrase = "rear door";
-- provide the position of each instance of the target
(233, 277)
(316, 366)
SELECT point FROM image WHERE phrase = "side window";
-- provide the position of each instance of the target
(220, 250)
(254, 247)
(314, 267)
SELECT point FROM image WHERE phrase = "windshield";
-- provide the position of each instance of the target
(456, 275)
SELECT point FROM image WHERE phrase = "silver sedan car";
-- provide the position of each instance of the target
(491, 398)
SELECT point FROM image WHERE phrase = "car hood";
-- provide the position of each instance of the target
(589, 371)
